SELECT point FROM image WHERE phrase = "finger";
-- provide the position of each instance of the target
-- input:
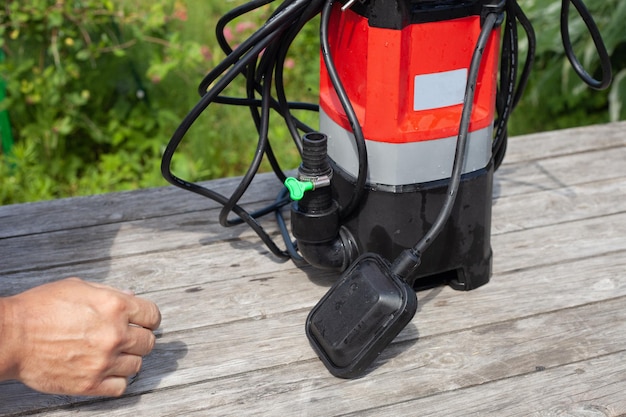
(141, 312)
(112, 386)
(125, 365)
(144, 313)
(138, 341)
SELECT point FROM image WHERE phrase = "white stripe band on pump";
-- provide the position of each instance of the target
(442, 89)
(398, 164)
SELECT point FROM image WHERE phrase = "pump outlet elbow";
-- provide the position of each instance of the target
(315, 224)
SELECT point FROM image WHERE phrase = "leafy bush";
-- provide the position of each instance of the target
(95, 89)
(85, 95)
(556, 97)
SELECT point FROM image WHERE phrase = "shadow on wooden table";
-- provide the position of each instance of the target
(77, 237)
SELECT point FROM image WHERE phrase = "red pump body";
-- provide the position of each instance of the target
(390, 76)
(405, 75)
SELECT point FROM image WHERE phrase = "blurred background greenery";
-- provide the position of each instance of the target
(93, 90)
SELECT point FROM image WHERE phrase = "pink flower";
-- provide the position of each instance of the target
(228, 34)
(206, 52)
(243, 26)
(180, 13)
(289, 63)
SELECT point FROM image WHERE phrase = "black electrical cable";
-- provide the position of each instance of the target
(246, 102)
(269, 29)
(259, 75)
(233, 65)
(504, 111)
(530, 53)
(511, 88)
(261, 148)
(508, 79)
(276, 58)
(290, 121)
(409, 260)
(461, 145)
(359, 187)
(284, 231)
(229, 17)
(605, 59)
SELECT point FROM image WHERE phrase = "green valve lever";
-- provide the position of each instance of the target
(297, 188)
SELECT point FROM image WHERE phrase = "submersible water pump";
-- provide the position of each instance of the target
(405, 67)
(395, 185)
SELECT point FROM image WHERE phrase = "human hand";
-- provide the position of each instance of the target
(76, 338)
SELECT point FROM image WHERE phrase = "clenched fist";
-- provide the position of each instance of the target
(74, 337)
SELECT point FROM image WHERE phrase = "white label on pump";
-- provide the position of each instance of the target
(442, 89)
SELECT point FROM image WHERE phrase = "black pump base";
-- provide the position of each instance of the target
(393, 219)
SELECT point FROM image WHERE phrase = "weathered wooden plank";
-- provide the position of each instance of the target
(237, 293)
(560, 205)
(232, 337)
(113, 208)
(553, 245)
(593, 387)
(270, 339)
(565, 142)
(251, 279)
(439, 364)
(156, 271)
(433, 366)
(560, 243)
(103, 242)
(559, 172)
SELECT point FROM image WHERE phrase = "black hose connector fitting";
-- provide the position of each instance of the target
(405, 265)
(493, 6)
(315, 218)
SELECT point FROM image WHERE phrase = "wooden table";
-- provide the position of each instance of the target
(547, 335)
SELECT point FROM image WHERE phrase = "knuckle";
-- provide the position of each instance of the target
(111, 340)
(101, 367)
(116, 305)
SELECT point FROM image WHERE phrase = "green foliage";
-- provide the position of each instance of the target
(96, 89)
(223, 140)
(85, 85)
(556, 97)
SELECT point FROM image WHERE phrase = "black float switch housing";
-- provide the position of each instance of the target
(359, 316)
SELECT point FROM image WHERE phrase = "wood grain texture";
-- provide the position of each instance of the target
(546, 337)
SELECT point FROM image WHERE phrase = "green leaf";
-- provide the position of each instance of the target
(83, 55)
(617, 97)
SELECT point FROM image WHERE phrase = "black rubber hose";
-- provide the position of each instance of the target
(605, 59)
(186, 125)
(409, 260)
(459, 157)
(359, 187)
